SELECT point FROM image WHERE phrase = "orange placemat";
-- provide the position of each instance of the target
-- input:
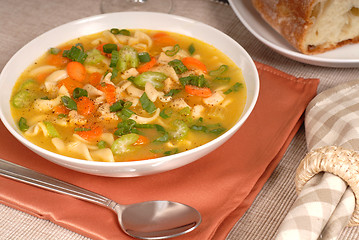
(221, 185)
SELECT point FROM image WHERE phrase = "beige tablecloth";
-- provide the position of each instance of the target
(21, 21)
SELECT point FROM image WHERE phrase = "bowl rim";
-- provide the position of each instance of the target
(249, 108)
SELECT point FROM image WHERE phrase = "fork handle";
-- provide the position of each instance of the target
(26, 175)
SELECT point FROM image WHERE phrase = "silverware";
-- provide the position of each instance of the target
(145, 220)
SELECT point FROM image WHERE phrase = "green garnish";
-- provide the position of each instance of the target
(164, 134)
(218, 71)
(147, 104)
(191, 49)
(234, 88)
(194, 80)
(117, 106)
(79, 92)
(166, 113)
(23, 124)
(178, 66)
(109, 47)
(116, 31)
(76, 53)
(222, 78)
(214, 128)
(172, 92)
(62, 115)
(126, 127)
(173, 51)
(54, 51)
(69, 103)
(125, 113)
(171, 152)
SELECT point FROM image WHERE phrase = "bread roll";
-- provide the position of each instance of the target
(313, 26)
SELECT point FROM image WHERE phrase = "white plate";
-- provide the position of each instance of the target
(344, 57)
(131, 20)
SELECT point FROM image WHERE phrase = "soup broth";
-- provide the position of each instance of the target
(126, 95)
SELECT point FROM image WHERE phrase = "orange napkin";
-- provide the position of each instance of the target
(221, 185)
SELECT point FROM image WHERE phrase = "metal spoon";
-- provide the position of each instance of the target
(146, 220)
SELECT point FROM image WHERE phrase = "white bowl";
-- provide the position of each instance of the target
(131, 20)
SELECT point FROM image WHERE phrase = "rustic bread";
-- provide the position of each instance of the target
(313, 26)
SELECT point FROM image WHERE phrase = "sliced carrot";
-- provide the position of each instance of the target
(163, 39)
(57, 60)
(76, 71)
(142, 140)
(110, 92)
(42, 76)
(196, 91)
(147, 66)
(85, 106)
(70, 84)
(100, 48)
(61, 109)
(93, 133)
(193, 63)
(95, 78)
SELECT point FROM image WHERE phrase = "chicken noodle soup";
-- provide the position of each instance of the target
(125, 95)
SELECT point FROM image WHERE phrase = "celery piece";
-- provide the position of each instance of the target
(155, 78)
(54, 51)
(101, 144)
(185, 111)
(94, 56)
(29, 84)
(51, 129)
(181, 129)
(23, 98)
(128, 58)
(123, 143)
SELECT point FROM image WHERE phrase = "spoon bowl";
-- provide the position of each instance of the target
(155, 219)
(144, 220)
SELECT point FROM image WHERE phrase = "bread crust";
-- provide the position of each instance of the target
(292, 19)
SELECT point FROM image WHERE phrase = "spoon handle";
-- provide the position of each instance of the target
(26, 175)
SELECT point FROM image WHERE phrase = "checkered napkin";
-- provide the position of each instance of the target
(327, 179)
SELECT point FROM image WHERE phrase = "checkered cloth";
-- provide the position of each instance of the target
(326, 204)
